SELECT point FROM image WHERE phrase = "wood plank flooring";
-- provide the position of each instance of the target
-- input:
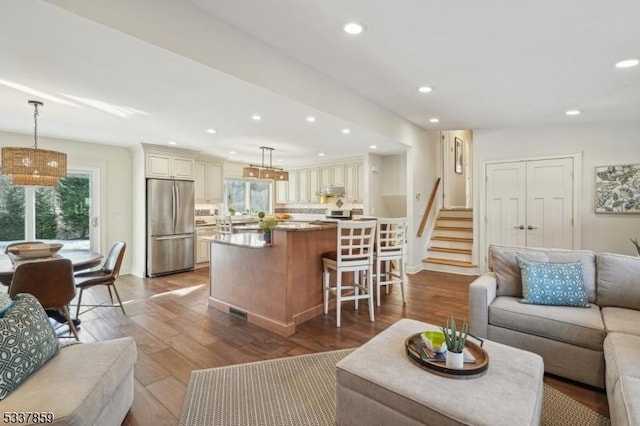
(177, 332)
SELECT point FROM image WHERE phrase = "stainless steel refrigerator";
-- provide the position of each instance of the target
(170, 226)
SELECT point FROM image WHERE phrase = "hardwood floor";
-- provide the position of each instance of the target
(177, 332)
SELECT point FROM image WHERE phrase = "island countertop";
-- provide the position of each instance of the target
(250, 238)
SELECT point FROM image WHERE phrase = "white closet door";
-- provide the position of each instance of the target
(550, 203)
(530, 203)
(506, 203)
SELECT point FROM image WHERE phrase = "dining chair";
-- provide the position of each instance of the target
(49, 281)
(224, 225)
(389, 250)
(106, 276)
(7, 281)
(354, 253)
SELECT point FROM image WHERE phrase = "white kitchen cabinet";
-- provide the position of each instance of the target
(169, 167)
(354, 182)
(314, 185)
(208, 183)
(203, 246)
(282, 192)
(337, 173)
(293, 186)
(304, 186)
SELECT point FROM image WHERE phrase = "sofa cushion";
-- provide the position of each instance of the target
(576, 326)
(619, 281)
(547, 283)
(78, 383)
(622, 352)
(621, 320)
(502, 261)
(27, 341)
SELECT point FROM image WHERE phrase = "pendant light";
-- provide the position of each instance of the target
(264, 172)
(33, 166)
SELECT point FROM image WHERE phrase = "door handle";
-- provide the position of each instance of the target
(519, 227)
(531, 227)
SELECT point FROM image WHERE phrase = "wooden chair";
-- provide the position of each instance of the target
(106, 276)
(354, 253)
(7, 281)
(49, 281)
(224, 225)
(389, 249)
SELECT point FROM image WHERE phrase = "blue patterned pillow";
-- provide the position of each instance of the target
(559, 284)
(27, 341)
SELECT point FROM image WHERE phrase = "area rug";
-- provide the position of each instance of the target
(300, 390)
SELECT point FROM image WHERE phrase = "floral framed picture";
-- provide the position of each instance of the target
(617, 189)
(457, 156)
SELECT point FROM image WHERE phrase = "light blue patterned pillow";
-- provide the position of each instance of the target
(27, 341)
(558, 284)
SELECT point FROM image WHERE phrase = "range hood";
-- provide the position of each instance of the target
(332, 191)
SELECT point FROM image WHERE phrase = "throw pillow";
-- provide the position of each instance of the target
(502, 260)
(27, 341)
(558, 284)
(5, 303)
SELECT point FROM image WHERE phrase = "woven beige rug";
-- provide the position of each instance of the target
(300, 390)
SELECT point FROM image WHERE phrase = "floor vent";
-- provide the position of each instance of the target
(238, 313)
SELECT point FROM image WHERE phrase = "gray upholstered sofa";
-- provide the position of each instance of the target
(83, 384)
(598, 345)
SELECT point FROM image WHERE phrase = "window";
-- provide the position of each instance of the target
(60, 214)
(247, 196)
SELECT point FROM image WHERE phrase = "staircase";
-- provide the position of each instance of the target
(451, 243)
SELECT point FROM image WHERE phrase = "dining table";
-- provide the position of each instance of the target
(80, 259)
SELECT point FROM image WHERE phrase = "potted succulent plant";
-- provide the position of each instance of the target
(266, 226)
(637, 244)
(455, 343)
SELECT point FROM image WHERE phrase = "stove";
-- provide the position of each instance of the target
(339, 215)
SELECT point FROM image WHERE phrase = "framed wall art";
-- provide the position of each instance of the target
(617, 189)
(457, 156)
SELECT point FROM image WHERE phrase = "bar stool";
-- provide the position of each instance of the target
(354, 254)
(224, 226)
(390, 239)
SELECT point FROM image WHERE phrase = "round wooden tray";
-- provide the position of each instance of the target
(417, 352)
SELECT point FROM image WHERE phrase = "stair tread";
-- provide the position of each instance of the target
(458, 239)
(450, 250)
(440, 261)
(452, 228)
(456, 209)
(455, 218)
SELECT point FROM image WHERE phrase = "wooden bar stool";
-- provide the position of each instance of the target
(390, 242)
(354, 254)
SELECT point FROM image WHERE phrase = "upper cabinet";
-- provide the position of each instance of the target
(304, 185)
(208, 186)
(168, 163)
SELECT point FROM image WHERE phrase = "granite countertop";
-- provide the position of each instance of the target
(247, 239)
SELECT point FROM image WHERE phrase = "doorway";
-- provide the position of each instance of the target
(532, 202)
(457, 169)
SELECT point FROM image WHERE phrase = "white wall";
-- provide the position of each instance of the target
(114, 164)
(454, 183)
(421, 175)
(600, 145)
(394, 185)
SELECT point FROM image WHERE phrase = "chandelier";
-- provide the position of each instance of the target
(33, 166)
(264, 172)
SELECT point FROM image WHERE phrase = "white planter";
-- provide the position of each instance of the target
(455, 360)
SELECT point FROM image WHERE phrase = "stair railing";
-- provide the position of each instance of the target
(427, 211)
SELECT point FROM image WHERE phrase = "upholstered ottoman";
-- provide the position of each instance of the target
(379, 385)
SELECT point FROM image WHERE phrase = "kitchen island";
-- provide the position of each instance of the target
(275, 286)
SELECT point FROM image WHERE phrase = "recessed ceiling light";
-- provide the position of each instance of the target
(321, 154)
(628, 63)
(311, 119)
(346, 131)
(212, 131)
(373, 147)
(232, 152)
(434, 120)
(573, 112)
(256, 117)
(353, 28)
(425, 89)
(172, 143)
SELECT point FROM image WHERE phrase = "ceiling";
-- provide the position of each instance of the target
(491, 64)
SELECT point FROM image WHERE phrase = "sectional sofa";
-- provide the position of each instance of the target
(597, 343)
